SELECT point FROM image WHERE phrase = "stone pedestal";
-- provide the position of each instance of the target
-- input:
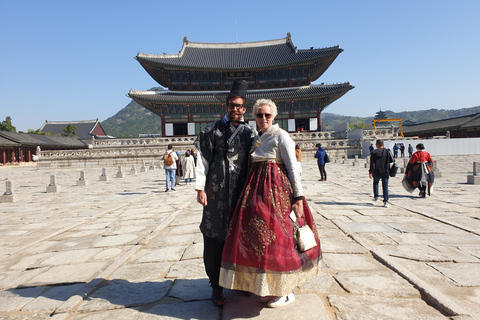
(53, 187)
(133, 170)
(103, 176)
(6, 198)
(471, 179)
(82, 182)
(120, 173)
(8, 195)
(475, 177)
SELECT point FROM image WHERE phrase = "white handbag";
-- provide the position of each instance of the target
(304, 235)
(305, 239)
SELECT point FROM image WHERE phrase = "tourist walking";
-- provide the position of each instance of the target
(410, 150)
(222, 150)
(380, 160)
(260, 254)
(170, 166)
(298, 156)
(320, 155)
(179, 171)
(419, 173)
(395, 150)
(188, 165)
(402, 150)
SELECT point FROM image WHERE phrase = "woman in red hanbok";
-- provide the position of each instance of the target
(260, 254)
(419, 173)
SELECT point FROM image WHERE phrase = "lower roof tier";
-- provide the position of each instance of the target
(161, 102)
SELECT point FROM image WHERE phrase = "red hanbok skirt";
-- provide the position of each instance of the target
(260, 254)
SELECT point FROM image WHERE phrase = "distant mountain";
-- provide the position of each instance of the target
(135, 119)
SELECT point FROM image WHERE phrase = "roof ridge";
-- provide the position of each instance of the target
(475, 116)
(68, 122)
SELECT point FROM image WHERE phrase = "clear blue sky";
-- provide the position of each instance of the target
(73, 60)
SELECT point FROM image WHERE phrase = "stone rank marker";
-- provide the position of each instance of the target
(120, 173)
(133, 171)
(82, 182)
(103, 176)
(475, 177)
(8, 194)
(53, 187)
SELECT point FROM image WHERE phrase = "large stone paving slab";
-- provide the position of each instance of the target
(463, 274)
(196, 310)
(138, 272)
(325, 283)
(349, 262)
(305, 307)
(375, 308)
(187, 269)
(15, 299)
(67, 274)
(121, 293)
(341, 245)
(120, 314)
(380, 283)
(414, 252)
(371, 227)
(53, 298)
(160, 254)
(191, 289)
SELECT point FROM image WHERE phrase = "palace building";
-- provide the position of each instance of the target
(274, 69)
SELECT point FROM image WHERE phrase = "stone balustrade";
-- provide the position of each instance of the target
(130, 152)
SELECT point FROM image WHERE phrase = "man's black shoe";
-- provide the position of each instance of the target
(217, 297)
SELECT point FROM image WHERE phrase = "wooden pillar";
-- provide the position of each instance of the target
(319, 119)
(163, 124)
(4, 156)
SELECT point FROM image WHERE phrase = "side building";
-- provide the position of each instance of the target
(274, 69)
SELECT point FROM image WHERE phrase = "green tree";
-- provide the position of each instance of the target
(7, 125)
(31, 131)
(70, 131)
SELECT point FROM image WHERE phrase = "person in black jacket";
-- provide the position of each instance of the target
(380, 159)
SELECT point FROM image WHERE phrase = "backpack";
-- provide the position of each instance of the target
(168, 159)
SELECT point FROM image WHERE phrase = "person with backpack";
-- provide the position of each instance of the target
(320, 155)
(170, 166)
(380, 160)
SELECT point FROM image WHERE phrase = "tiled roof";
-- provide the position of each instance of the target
(4, 142)
(238, 56)
(172, 97)
(27, 139)
(84, 128)
(467, 121)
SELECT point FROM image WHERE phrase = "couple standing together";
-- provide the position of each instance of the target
(249, 184)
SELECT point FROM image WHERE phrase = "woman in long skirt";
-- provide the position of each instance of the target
(419, 173)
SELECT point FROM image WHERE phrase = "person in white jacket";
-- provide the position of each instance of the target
(188, 165)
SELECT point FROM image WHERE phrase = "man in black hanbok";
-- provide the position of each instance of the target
(222, 150)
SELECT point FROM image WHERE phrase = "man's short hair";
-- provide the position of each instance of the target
(380, 142)
(170, 146)
(233, 96)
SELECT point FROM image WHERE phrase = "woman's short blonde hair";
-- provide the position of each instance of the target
(262, 102)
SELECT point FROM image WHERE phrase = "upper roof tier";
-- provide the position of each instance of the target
(192, 97)
(238, 56)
